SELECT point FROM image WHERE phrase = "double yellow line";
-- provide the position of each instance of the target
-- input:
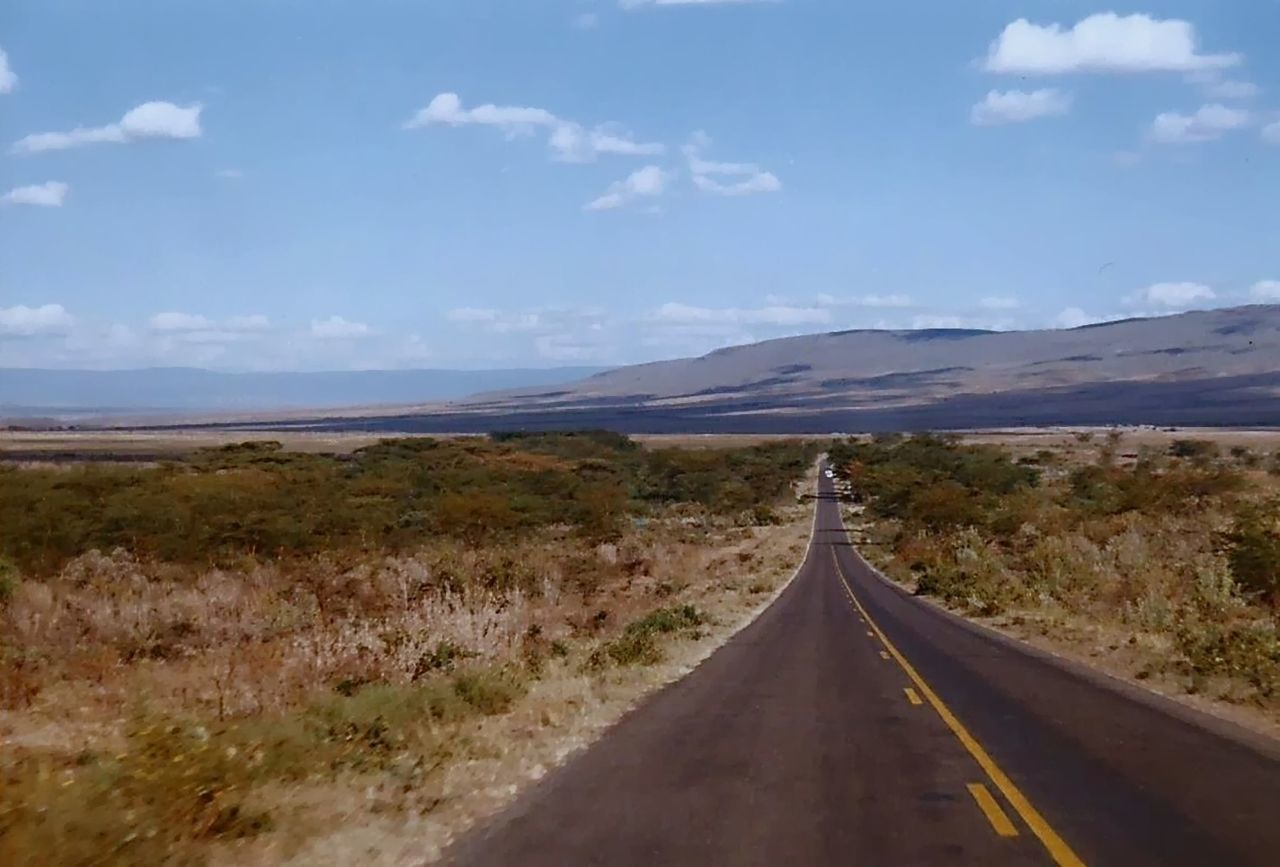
(1058, 849)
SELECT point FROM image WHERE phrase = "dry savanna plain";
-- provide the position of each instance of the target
(329, 649)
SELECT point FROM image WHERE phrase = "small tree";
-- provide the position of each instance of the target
(1253, 550)
(475, 517)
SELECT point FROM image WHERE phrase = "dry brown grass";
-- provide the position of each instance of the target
(1146, 594)
(311, 713)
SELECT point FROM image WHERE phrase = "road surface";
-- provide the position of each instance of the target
(853, 724)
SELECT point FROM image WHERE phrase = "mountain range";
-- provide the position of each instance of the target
(1201, 368)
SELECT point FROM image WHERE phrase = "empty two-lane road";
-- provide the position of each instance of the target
(852, 724)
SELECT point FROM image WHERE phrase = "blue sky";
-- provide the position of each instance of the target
(311, 184)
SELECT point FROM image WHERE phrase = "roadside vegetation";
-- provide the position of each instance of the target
(1165, 562)
(237, 654)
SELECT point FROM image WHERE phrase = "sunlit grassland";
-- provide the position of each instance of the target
(1159, 561)
(250, 650)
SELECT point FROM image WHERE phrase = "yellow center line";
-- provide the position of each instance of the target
(912, 695)
(996, 816)
(1058, 849)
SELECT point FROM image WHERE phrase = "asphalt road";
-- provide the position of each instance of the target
(853, 724)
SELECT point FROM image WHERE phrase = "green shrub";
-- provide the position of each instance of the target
(256, 501)
(1249, 652)
(638, 644)
(1253, 551)
(8, 580)
(1198, 451)
(488, 692)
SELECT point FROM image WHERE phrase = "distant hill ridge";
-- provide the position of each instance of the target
(849, 368)
(1211, 368)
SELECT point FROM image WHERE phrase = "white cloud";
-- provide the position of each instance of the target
(932, 320)
(762, 182)
(151, 120)
(556, 334)
(472, 314)
(194, 328)
(446, 108)
(1174, 296)
(50, 194)
(648, 182)
(999, 303)
(675, 313)
(886, 301)
(1266, 290)
(1208, 123)
(1271, 133)
(896, 301)
(1073, 317)
(572, 143)
(253, 322)
(1229, 89)
(229, 174)
(1105, 42)
(515, 323)
(1212, 83)
(174, 321)
(706, 173)
(23, 321)
(8, 79)
(585, 21)
(1018, 106)
(336, 327)
(572, 347)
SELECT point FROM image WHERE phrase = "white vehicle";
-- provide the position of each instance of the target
(830, 474)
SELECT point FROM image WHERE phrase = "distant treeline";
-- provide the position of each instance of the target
(258, 500)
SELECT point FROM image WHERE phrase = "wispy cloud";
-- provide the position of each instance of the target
(1105, 42)
(195, 328)
(648, 182)
(1209, 122)
(1214, 86)
(892, 301)
(8, 78)
(1018, 106)
(446, 108)
(151, 120)
(569, 140)
(676, 313)
(338, 328)
(572, 143)
(50, 194)
(726, 179)
(1265, 290)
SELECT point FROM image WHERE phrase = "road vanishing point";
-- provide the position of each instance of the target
(854, 724)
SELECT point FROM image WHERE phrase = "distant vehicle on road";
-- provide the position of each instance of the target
(830, 474)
